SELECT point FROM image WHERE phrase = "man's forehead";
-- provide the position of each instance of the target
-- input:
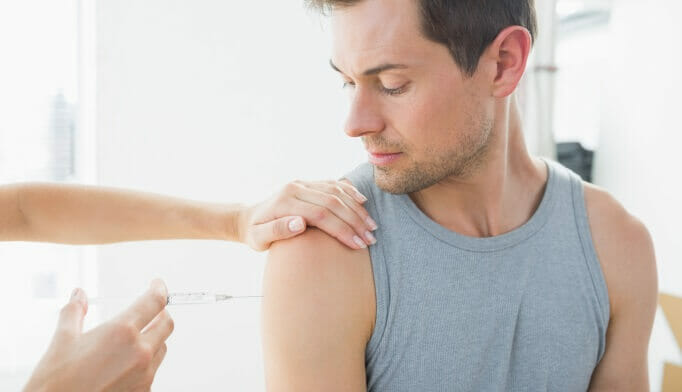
(371, 31)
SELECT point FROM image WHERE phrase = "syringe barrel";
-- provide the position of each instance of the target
(191, 298)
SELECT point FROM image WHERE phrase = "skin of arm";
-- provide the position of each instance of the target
(318, 315)
(77, 214)
(626, 252)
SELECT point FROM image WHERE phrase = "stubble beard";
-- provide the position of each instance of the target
(462, 162)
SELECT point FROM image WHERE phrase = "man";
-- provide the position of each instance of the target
(494, 270)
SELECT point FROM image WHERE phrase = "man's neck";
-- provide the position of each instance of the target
(500, 196)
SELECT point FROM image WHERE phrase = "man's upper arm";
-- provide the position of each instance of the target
(626, 252)
(318, 314)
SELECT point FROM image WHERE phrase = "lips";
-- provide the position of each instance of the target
(383, 158)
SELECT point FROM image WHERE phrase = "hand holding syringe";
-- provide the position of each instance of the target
(186, 298)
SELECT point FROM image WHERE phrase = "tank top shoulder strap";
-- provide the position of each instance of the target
(578, 207)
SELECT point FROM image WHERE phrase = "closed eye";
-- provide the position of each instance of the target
(393, 91)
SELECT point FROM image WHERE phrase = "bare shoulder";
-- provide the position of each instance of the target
(314, 260)
(624, 247)
(626, 252)
(318, 314)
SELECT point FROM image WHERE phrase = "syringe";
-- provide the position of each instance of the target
(201, 297)
(187, 298)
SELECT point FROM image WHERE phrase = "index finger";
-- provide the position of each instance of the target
(146, 307)
(351, 189)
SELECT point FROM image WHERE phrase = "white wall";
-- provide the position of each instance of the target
(639, 159)
(221, 101)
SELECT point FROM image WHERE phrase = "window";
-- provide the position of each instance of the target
(42, 134)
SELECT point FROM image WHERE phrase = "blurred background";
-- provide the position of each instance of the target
(227, 101)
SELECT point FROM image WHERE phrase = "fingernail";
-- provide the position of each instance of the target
(158, 285)
(370, 238)
(296, 225)
(371, 223)
(360, 197)
(359, 242)
(79, 295)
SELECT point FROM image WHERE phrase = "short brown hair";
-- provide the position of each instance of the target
(465, 27)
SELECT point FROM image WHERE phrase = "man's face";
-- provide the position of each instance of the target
(409, 97)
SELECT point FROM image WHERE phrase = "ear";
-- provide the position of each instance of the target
(510, 51)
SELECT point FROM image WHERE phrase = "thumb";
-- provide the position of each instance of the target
(279, 229)
(70, 323)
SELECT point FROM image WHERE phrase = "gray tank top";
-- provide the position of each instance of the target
(523, 311)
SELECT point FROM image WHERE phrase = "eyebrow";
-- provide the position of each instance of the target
(373, 71)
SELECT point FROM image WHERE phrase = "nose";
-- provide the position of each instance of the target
(365, 115)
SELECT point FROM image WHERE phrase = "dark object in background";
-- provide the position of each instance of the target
(575, 157)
